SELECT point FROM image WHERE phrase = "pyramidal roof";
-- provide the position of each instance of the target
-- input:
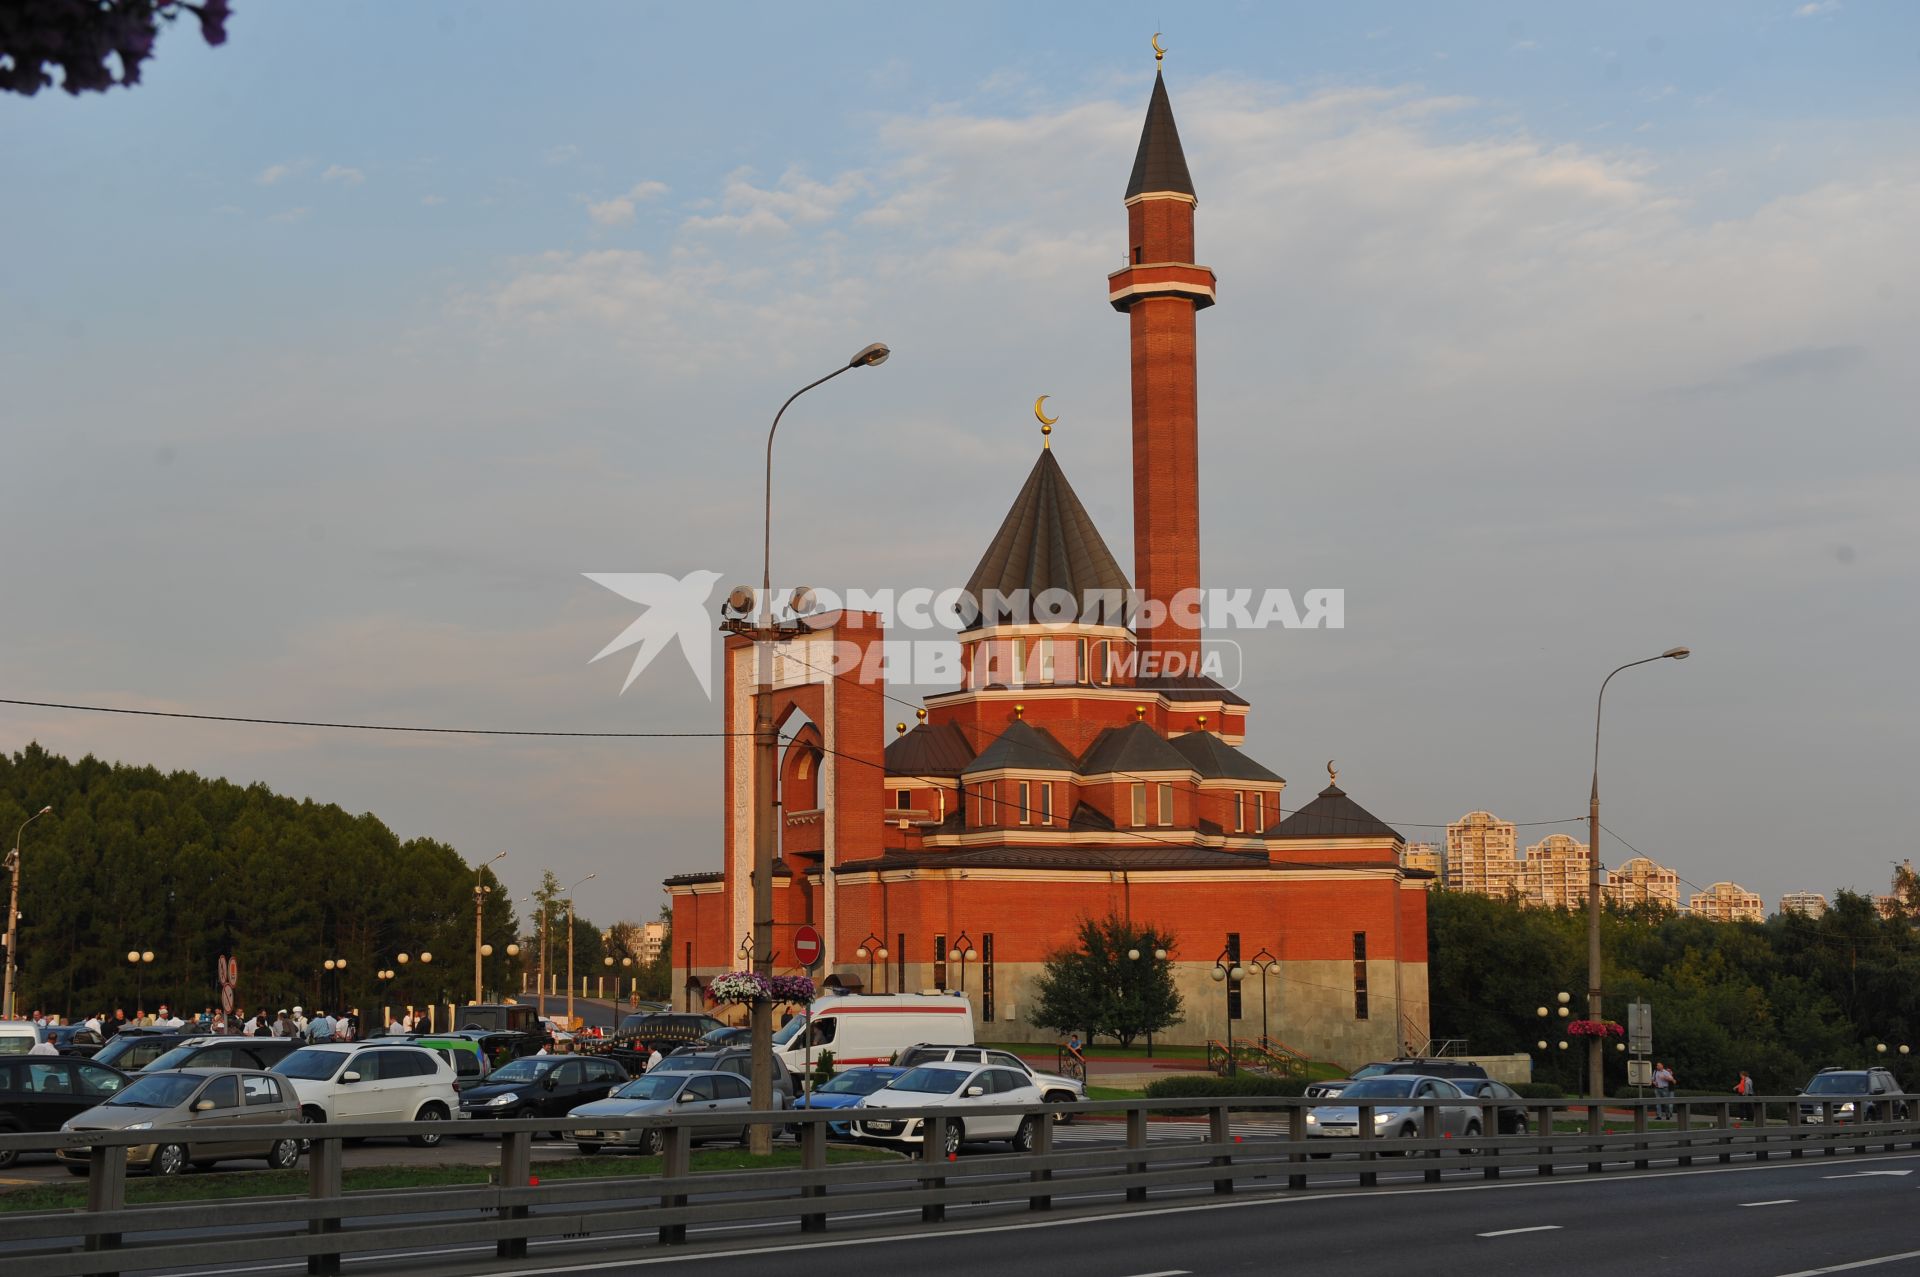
(1159, 164)
(1025, 746)
(1214, 759)
(1333, 815)
(1048, 542)
(1132, 749)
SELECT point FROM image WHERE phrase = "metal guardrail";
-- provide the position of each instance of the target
(327, 1223)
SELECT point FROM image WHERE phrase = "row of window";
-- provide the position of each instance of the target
(1020, 662)
(1031, 802)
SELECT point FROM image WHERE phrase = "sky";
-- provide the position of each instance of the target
(1554, 336)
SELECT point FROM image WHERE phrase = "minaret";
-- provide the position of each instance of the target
(1160, 289)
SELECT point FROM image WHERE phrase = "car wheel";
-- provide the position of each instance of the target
(950, 1139)
(1407, 1132)
(1023, 1136)
(429, 1139)
(1062, 1097)
(1473, 1133)
(587, 1150)
(168, 1159)
(8, 1156)
(649, 1143)
(78, 1168)
(283, 1155)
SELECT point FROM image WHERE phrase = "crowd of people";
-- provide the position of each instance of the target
(294, 1023)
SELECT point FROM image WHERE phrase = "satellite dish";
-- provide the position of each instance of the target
(740, 600)
(802, 601)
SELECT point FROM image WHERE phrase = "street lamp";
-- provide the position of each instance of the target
(1264, 962)
(765, 633)
(1596, 1082)
(1228, 971)
(13, 911)
(873, 948)
(962, 953)
(589, 878)
(480, 892)
(1159, 955)
(140, 959)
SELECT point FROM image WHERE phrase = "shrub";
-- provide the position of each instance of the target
(1539, 1091)
(1202, 1086)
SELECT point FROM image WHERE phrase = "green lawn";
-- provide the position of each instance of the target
(1317, 1070)
(214, 1185)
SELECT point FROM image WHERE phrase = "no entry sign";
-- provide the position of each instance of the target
(807, 946)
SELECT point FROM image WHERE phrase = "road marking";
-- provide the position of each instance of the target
(1778, 1201)
(1858, 1263)
(1168, 1272)
(1864, 1174)
(1509, 1232)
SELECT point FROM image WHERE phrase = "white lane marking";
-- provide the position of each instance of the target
(1168, 1272)
(1509, 1232)
(1778, 1201)
(1864, 1174)
(1858, 1263)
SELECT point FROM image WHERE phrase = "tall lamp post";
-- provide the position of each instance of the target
(873, 948)
(765, 633)
(480, 890)
(1264, 962)
(1228, 971)
(140, 959)
(13, 913)
(962, 952)
(589, 878)
(1159, 955)
(1596, 1045)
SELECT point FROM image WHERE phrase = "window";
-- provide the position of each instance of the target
(1102, 663)
(1359, 975)
(1026, 808)
(1046, 802)
(820, 1031)
(1166, 803)
(1081, 674)
(218, 1057)
(1259, 812)
(1019, 673)
(980, 804)
(1233, 986)
(701, 1088)
(976, 667)
(260, 1090)
(731, 1088)
(1239, 810)
(986, 960)
(569, 1074)
(940, 962)
(224, 1092)
(94, 1079)
(1139, 805)
(605, 1071)
(1043, 649)
(1136, 254)
(900, 961)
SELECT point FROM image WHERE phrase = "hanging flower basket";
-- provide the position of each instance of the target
(739, 988)
(1596, 1029)
(792, 988)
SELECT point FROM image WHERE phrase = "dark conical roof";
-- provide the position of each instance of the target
(931, 749)
(1048, 542)
(1130, 750)
(1214, 759)
(1333, 815)
(1160, 164)
(1024, 746)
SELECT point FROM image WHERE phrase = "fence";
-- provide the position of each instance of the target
(321, 1227)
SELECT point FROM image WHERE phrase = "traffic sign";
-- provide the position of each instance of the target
(807, 946)
(1640, 1027)
(1639, 1072)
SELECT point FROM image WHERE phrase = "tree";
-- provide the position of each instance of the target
(79, 36)
(1096, 987)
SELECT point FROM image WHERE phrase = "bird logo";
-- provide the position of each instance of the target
(676, 607)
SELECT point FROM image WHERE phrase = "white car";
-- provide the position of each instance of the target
(958, 1087)
(1055, 1088)
(373, 1082)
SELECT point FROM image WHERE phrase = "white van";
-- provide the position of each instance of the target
(17, 1037)
(867, 1028)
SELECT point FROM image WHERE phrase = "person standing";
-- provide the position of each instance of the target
(1744, 1087)
(113, 1026)
(1663, 1089)
(320, 1027)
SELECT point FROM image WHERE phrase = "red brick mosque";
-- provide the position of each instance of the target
(1083, 767)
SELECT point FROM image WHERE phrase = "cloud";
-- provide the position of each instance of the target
(343, 175)
(1814, 8)
(275, 172)
(290, 215)
(619, 210)
(564, 153)
(431, 200)
(794, 200)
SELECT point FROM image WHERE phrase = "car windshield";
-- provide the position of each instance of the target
(310, 1065)
(928, 1081)
(852, 1084)
(174, 1059)
(650, 1087)
(527, 1068)
(157, 1091)
(790, 1030)
(689, 1063)
(1474, 1086)
(1837, 1084)
(1379, 1088)
(1371, 1070)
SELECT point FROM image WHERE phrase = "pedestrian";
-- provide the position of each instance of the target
(94, 1023)
(1663, 1089)
(398, 1028)
(299, 1022)
(165, 1019)
(1744, 1087)
(653, 1060)
(320, 1027)
(44, 1046)
(283, 1025)
(117, 1023)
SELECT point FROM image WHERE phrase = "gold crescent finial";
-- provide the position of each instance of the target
(1333, 775)
(1159, 54)
(1046, 422)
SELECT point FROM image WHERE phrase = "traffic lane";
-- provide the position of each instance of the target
(1767, 1219)
(462, 1150)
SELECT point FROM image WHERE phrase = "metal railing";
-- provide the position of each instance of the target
(1274, 1141)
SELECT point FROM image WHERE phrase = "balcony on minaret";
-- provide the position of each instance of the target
(1135, 283)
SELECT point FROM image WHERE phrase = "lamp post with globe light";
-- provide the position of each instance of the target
(873, 949)
(13, 913)
(1228, 972)
(963, 952)
(140, 959)
(480, 894)
(1159, 955)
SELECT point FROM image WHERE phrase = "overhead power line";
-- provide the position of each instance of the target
(361, 727)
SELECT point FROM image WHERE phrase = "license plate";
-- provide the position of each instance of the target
(1338, 1131)
(586, 1135)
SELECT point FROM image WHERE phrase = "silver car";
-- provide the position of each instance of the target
(708, 1102)
(1395, 1119)
(201, 1101)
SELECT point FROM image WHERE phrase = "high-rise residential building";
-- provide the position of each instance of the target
(1480, 855)
(1810, 903)
(1425, 856)
(1727, 902)
(1640, 881)
(652, 936)
(1556, 873)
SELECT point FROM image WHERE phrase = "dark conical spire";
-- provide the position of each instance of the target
(1048, 541)
(1160, 164)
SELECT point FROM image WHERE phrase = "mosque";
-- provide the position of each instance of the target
(1086, 766)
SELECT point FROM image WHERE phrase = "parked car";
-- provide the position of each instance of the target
(469, 1059)
(1427, 1067)
(17, 1037)
(1871, 1095)
(737, 1060)
(1392, 1119)
(223, 1053)
(133, 1049)
(373, 1082)
(846, 1089)
(1509, 1120)
(709, 1102)
(1054, 1088)
(497, 1015)
(40, 1093)
(649, 1031)
(726, 1035)
(960, 1088)
(498, 1046)
(202, 1100)
(76, 1040)
(542, 1086)
(872, 1028)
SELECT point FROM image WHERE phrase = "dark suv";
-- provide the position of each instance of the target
(39, 1093)
(1852, 1095)
(663, 1032)
(542, 1086)
(224, 1053)
(1440, 1067)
